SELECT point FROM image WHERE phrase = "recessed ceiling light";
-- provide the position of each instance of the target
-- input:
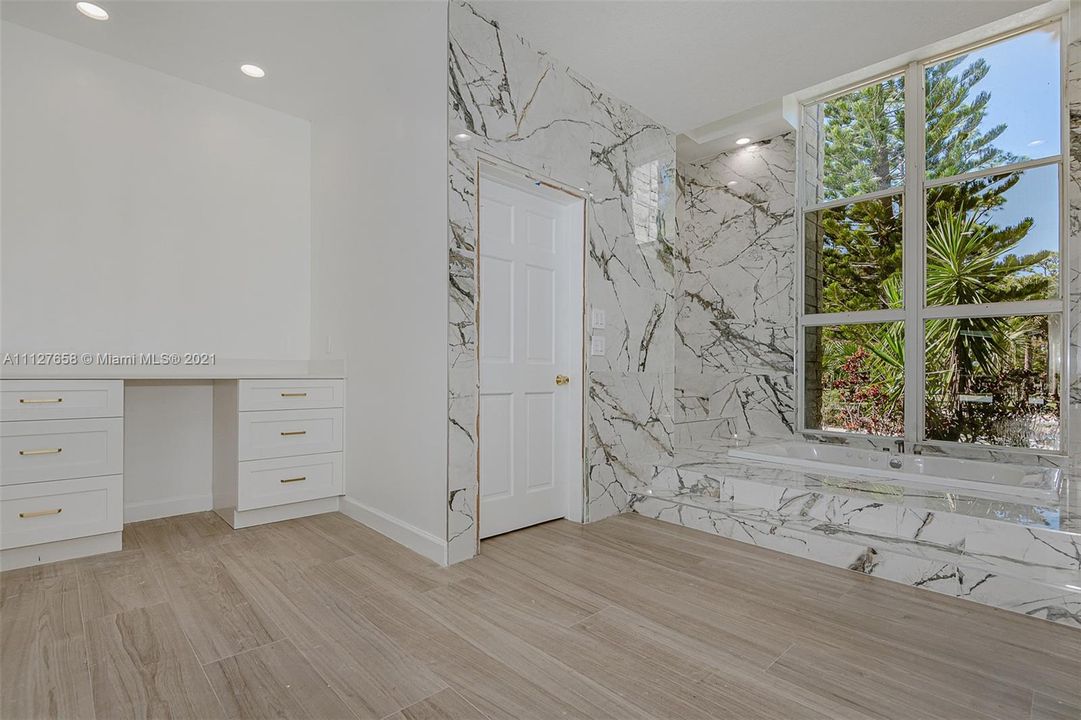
(92, 11)
(253, 71)
(462, 137)
(731, 183)
(743, 141)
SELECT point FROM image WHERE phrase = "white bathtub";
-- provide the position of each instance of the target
(1027, 481)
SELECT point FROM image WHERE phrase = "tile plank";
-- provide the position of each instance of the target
(217, 616)
(116, 582)
(142, 666)
(274, 681)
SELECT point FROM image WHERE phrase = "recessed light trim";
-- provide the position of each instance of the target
(743, 141)
(253, 71)
(92, 11)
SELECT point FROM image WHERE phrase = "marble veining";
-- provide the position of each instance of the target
(735, 266)
(1005, 553)
(525, 108)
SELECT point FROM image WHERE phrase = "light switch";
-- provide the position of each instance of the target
(596, 345)
(598, 321)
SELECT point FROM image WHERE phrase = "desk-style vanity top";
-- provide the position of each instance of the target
(277, 454)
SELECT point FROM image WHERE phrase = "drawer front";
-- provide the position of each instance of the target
(60, 510)
(282, 433)
(291, 394)
(41, 450)
(60, 399)
(264, 483)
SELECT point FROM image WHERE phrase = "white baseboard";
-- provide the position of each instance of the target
(238, 519)
(20, 557)
(417, 540)
(151, 509)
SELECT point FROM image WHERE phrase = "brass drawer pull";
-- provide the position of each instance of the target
(41, 513)
(42, 451)
(291, 480)
(295, 394)
(35, 401)
(295, 432)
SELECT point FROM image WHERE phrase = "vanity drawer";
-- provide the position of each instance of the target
(290, 394)
(60, 510)
(60, 399)
(41, 450)
(282, 433)
(264, 483)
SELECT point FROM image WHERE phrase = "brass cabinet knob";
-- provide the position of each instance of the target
(562, 379)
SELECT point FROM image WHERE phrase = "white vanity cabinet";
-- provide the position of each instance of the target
(277, 448)
(61, 469)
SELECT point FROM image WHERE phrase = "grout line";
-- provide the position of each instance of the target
(464, 699)
(790, 645)
(86, 641)
(589, 616)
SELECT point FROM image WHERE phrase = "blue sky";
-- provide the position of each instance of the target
(1024, 86)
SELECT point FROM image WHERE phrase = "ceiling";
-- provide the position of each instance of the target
(691, 63)
(317, 55)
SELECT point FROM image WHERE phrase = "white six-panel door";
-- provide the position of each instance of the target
(530, 332)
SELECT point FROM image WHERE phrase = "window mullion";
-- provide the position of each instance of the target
(913, 228)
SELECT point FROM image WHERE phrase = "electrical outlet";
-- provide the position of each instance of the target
(598, 321)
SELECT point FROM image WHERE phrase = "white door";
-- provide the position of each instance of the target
(530, 295)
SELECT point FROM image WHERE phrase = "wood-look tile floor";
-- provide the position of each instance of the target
(626, 618)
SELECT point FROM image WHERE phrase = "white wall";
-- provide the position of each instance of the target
(379, 270)
(145, 213)
(168, 448)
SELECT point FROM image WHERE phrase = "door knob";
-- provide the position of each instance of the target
(562, 379)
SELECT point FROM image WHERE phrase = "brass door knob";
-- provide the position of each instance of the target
(562, 379)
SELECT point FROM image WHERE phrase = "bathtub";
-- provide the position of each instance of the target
(951, 474)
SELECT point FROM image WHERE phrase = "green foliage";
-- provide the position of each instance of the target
(954, 143)
(986, 377)
(865, 140)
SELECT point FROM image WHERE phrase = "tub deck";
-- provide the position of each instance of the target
(1008, 552)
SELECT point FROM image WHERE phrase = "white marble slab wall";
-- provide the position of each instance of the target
(523, 107)
(735, 304)
(1074, 248)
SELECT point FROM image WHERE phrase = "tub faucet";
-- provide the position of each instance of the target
(900, 444)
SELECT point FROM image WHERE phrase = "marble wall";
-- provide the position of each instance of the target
(735, 305)
(524, 107)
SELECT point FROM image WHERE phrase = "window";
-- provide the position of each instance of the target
(933, 306)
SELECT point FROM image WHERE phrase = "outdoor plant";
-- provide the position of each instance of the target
(985, 377)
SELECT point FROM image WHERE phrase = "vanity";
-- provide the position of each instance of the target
(277, 453)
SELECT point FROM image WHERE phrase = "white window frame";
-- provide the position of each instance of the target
(913, 193)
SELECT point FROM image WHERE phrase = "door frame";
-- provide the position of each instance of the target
(507, 173)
